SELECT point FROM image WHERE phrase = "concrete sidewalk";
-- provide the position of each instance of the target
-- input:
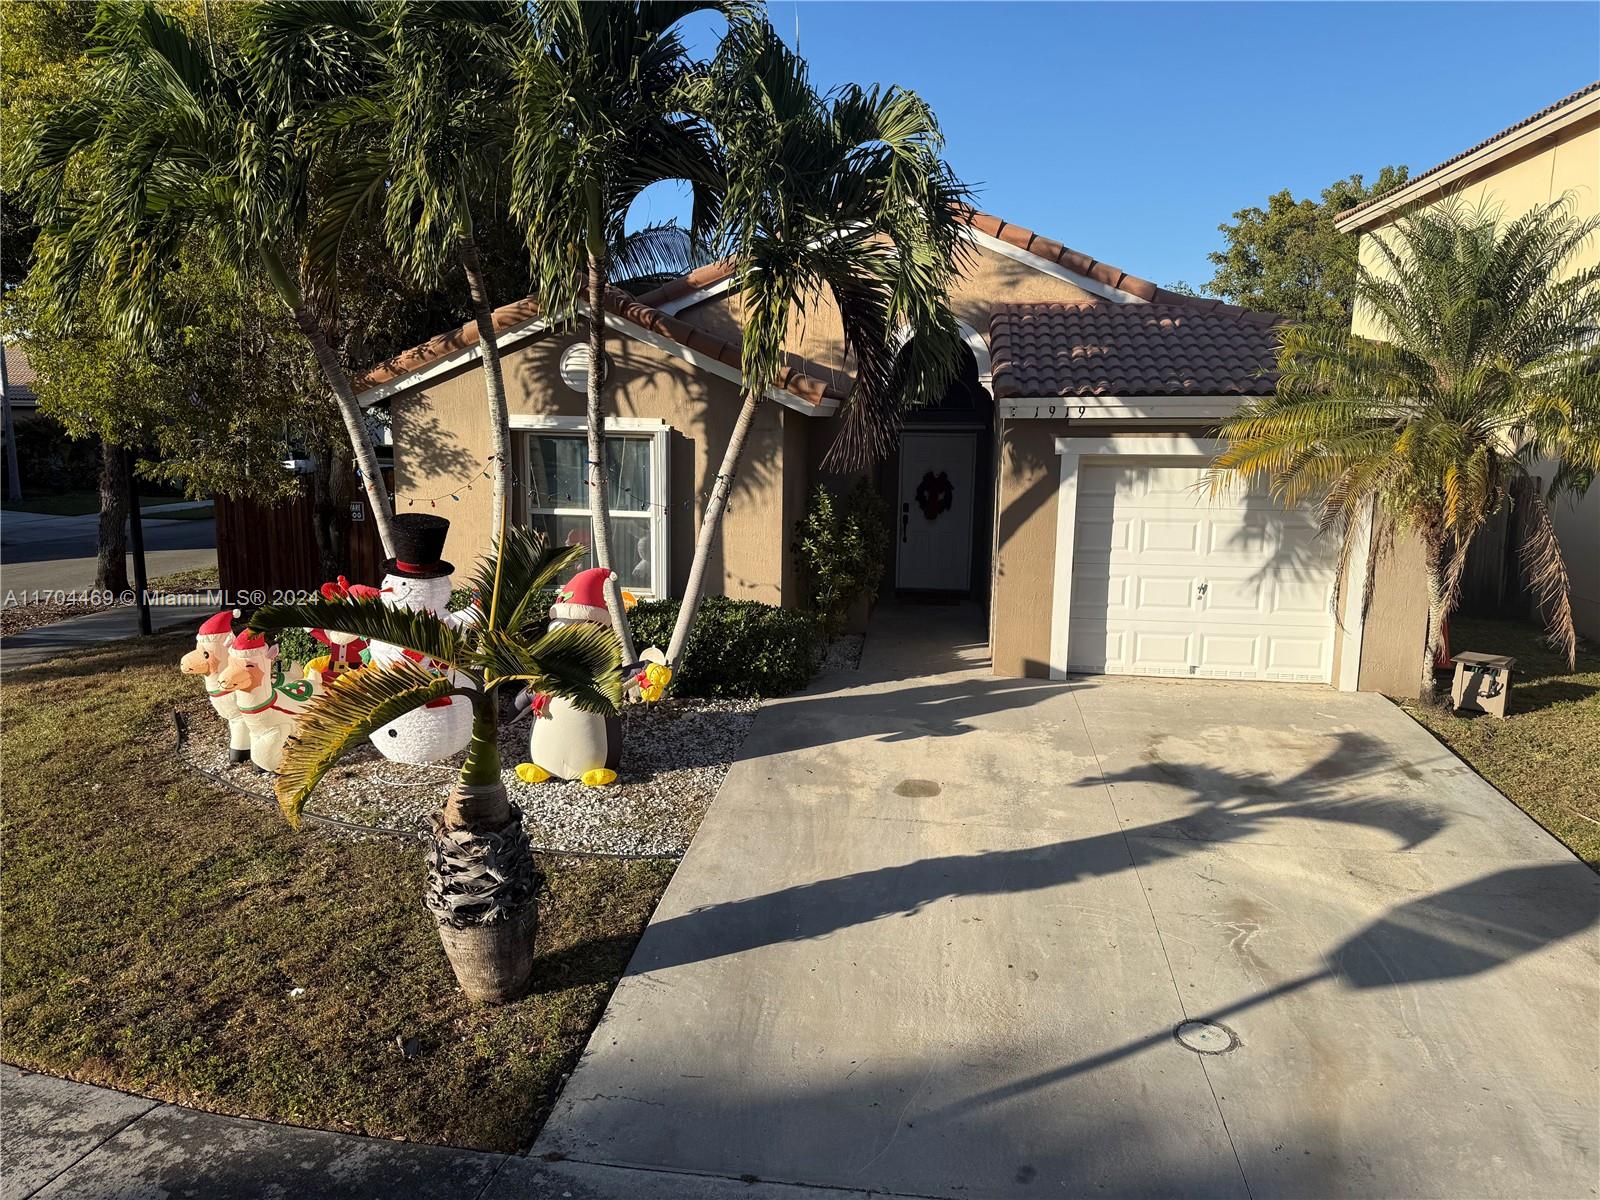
(938, 931)
(69, 1141)
(94, 629)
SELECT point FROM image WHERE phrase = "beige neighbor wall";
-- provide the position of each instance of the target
(441, 437)
(1566, 165)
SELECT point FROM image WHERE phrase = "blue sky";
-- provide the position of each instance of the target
(1129, 131)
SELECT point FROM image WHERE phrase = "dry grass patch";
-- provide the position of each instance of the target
(172, 940)
(1545, 756)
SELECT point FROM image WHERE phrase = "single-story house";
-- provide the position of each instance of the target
(1056, 482)
(1550, 155)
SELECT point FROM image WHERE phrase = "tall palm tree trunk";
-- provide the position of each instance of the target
(711, 523)
(599, 492)
(493, 379)
(1427, 690)
(350, 410)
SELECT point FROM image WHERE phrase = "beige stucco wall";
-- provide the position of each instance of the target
(441, 437)
(1566, 165)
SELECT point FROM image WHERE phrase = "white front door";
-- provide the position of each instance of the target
(1168, 581)
(934, 514)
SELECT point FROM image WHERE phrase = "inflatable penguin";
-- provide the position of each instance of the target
(566, 742)
(419, 579)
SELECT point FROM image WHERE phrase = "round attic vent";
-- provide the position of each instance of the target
(575, 367)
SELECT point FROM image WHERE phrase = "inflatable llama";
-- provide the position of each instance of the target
(269, 703)
(208, 659)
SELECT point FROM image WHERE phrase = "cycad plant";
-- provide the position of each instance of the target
(602, 115)
(1482, 368)
(844, 196)
(482, 886)
(174, 142)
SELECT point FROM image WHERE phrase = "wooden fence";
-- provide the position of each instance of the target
(267, 549)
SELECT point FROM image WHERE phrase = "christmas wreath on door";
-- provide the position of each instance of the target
(935, 494)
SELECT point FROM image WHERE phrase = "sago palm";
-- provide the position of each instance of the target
(171, 143)
(600, 117)
(844, 196)
(481, 875)
(1483, 364)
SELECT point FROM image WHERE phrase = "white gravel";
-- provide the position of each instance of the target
(675, 754)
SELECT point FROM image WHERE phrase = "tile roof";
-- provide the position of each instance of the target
(1052, 251)
(809, 381)
(20, 376)
(1488, 141)
(1103, 349)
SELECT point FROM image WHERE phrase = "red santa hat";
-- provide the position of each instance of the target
(249, 639)
(221, 623)
(583, 597)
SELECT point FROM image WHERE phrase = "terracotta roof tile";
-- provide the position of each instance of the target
(809, 381)
(1108, 349)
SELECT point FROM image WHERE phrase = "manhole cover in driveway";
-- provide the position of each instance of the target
(1206, 1037)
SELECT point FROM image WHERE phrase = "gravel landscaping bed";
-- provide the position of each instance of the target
(675, 754)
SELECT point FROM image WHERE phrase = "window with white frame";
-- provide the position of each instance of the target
(551, 468)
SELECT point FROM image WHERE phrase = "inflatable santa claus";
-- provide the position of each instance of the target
(418, 578)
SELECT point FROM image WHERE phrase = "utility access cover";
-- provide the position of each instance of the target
(1206, 1037)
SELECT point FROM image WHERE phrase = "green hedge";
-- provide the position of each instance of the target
(737, 647)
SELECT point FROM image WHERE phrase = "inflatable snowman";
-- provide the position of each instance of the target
(417, 578)
(567, 742)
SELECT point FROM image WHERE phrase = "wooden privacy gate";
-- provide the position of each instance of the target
(267, 549)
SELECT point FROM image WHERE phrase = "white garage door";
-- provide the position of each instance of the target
(1168, 581)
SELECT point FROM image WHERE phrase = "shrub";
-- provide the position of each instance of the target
(737, 647)
(841, 546)
(298, 646)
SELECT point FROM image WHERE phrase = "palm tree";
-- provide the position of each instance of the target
(482, 884)
(845, 196)
(172, 145)
(1485, 361)
(601, 117)
(410, 104)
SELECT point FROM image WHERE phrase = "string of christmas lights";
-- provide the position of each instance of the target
(542, 499)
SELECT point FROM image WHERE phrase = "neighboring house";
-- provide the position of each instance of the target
(1555, 153)
(1055, 482)
(19, 380)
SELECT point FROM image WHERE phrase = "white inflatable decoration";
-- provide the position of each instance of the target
(269, 702)
(209, 659)
(418, 579)
(566, 742)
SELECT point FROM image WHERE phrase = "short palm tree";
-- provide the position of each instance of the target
(174, 143)
(844, 196)
(482, 886)
(1484, 362)
(600, 117)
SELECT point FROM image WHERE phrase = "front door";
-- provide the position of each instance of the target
(937, 477)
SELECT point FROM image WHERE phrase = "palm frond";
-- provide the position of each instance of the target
(1547, 573)
(357, 703)
(576, 662)
(370, 619)
(524, 564)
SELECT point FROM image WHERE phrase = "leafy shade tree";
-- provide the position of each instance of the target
(482, 886)
(845, 197)
(602, 115)
(1485, 360)
(162, 398)
(172, 145)
(412, 104)
(1289, 259)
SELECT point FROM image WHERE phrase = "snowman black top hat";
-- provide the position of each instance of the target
(418, 543)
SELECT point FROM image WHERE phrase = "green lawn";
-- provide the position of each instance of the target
(1545, 756)
(157, 931)
(200, 512)
(78, 504)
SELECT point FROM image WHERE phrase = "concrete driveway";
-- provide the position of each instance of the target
(938, 930)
